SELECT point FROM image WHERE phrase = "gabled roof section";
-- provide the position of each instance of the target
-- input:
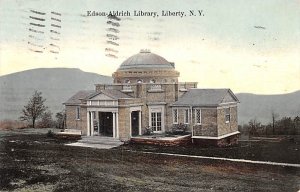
(206, 97)
(76, 99)
(109, 94)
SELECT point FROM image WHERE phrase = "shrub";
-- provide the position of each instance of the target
(148, 130)
(50, 133)
(179, 128)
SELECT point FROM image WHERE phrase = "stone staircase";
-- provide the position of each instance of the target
(98, 142)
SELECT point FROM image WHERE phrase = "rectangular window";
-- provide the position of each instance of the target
(186, 116)
(198, 116)
(77, 112)
(175, 116)
(156, 121)
(227, 115)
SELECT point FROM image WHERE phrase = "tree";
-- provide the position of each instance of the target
(34, 108)
(254, 127)
(297, 124)
(46, 120)
(274, 117)
(60, 119)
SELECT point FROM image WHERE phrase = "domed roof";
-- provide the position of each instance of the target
(145, 59)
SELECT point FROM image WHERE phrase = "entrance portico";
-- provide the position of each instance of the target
(103, 121)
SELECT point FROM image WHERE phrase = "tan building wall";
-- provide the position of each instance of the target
(232, 125)
(71, 120)
(208, 125)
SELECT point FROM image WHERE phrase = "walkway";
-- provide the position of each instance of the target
(97, 142)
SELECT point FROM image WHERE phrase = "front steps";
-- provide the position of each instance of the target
(98, 142)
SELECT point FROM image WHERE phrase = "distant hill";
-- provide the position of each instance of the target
(261, 106)
(56, 84)
(59, 84)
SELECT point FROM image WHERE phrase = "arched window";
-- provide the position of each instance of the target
(152, 81)
(127, 81)
(139, 81)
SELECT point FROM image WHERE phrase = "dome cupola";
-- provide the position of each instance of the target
(146, 67)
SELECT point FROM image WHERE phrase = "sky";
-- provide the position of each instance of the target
(248, 46)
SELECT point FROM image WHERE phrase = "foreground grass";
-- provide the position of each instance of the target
(33, 162)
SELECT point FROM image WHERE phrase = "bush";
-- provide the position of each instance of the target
(148, 130)
(179, 129)
(50, 133)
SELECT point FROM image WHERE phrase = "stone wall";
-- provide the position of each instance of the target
(72, 122)
(232, 125)
(208, 125)
(228, 141)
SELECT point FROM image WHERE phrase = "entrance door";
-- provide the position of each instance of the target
(106, 123)
(134, 123)
(156, 121)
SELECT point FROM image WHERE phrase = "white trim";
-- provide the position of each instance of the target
(219, 137)
(117, 125)
(114, 124)
(92, 123)
(156, 109)
(140, 122)
(229, 103)
(139, 109)
(88, 123)
(135, 108)
(220, 158)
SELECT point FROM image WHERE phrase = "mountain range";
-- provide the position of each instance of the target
(59, 84)
(56, 84)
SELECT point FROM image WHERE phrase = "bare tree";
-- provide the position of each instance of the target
(34, 108)
(46, 120)
(254, 127)
(60, 119)
(274, 117)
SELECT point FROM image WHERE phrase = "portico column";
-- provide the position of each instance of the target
(114, 124)
(88, 123)
(117, 125)
(92, 122)
(140, 122)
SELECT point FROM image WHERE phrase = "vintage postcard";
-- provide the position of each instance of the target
(131, 95)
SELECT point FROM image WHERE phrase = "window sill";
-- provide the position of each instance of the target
(155, 91)
(183, 90)
(127, 91)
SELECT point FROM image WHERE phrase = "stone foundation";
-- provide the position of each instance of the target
(183, 140)
(224, 142)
